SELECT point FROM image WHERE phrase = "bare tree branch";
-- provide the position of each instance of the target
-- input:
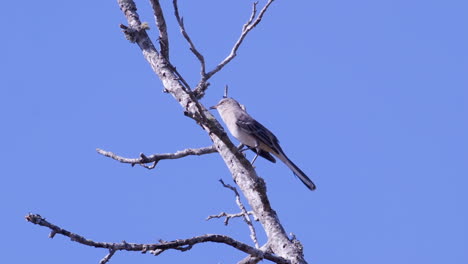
(245, 214)
(107, 257)
(161, 25)
(252, 186)
(135, 32)
(251, 23)
(164, 38)
(202, 84)
(281, 249)
(180, 244)
(180, 21)
(155, 158)
(229, 216)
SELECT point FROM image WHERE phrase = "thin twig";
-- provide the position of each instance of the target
(245, 214)
(181, 79)
(252, 16)
(135, 32)
(228, 216)
(107, 257)
(180, 244)
(161, 25)
(164, 38)
(187, 37)
(155, 158)
(251, 23)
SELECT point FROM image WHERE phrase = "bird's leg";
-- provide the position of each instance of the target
(242, 147)
(256, 156)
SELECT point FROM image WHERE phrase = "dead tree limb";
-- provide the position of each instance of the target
(252, 186)
(155, 158)
(194, 50)
(280, 248)
(162, 28)
(228, 216)
(251, 23)
(157, 248)
(245, 214)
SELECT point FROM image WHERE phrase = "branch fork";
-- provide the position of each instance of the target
(279, 248)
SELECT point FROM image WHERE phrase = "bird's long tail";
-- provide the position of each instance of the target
(302, 176)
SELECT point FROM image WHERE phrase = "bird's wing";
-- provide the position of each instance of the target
(254, 128)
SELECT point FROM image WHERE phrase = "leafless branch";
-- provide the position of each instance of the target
(180, 21)
(245, 214)
(252, 16)
(107, 257)
(135, 32)
(180, 244)
(161, 25)
(202, 85)
(179, 77)
(164, 38)
(251, 23)
(229, 216)
(155, 158)
(253, 187)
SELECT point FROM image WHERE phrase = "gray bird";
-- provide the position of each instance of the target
(254, 135)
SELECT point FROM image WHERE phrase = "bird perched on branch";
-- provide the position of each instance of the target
(257, 137)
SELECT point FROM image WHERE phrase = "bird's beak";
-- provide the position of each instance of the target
(214, 107)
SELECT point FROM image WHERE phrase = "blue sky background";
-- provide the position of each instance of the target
(368, 97)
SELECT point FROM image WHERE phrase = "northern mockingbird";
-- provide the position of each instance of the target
(254, 135)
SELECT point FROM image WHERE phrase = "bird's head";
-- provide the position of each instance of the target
(226, 103)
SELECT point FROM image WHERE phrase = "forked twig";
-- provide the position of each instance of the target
(251, 23)
(202, 85)
(180, 21)
(245, 214)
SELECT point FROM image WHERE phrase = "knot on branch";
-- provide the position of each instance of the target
(132, 32)
(199, 91)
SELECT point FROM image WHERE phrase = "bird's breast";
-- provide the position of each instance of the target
(238, 133)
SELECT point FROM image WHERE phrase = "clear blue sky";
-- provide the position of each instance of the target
(368, 97)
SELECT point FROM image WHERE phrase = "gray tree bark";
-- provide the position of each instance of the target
(252, 186)
(279, 247)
